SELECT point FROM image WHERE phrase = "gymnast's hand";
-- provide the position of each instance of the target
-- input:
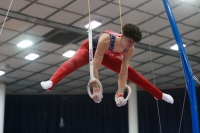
(119, 99)
(97, 94)
(95, 85)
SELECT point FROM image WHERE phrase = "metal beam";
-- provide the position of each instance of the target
(43, 22)
(55, 25)
(166, 52)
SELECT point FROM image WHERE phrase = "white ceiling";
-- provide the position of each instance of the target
(35, 20)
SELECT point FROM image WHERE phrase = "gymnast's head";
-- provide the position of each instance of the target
(131, 34)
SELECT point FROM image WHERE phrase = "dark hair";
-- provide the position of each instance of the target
(132, 31)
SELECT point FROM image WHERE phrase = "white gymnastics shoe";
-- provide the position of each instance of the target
(167, 98)
(46, 84)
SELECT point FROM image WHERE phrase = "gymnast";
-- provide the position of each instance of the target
(107, 48)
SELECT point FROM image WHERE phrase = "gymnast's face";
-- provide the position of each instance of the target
(128, 42)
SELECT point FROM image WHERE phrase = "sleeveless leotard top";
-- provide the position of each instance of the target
(112, 42)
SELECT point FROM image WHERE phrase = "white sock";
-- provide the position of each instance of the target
(46, 84)
(167, 98)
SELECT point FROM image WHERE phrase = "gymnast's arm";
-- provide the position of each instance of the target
(102, 47)
(123, 75)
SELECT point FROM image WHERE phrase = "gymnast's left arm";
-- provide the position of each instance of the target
(123, 75)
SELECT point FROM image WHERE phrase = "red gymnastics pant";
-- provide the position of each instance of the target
(81, 58)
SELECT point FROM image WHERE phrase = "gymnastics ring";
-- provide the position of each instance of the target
(99, 84)
(129, 92)
(128, 96)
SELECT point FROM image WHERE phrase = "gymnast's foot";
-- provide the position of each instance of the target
(97, 96)
(46, 84)
(167, 98)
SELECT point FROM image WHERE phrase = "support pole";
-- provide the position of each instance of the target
(190, 85)
(132, 110)
(2, 106)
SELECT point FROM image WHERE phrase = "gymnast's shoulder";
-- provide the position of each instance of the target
(104, 38)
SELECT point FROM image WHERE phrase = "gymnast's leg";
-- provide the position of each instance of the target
(80, 58)
(114, 63)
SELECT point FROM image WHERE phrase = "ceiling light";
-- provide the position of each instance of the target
(175, 47)
(32, 56)
(24, 44)
(94, 24)
(2, 72)
(69, 53)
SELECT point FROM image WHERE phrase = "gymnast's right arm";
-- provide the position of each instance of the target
(102, 47)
